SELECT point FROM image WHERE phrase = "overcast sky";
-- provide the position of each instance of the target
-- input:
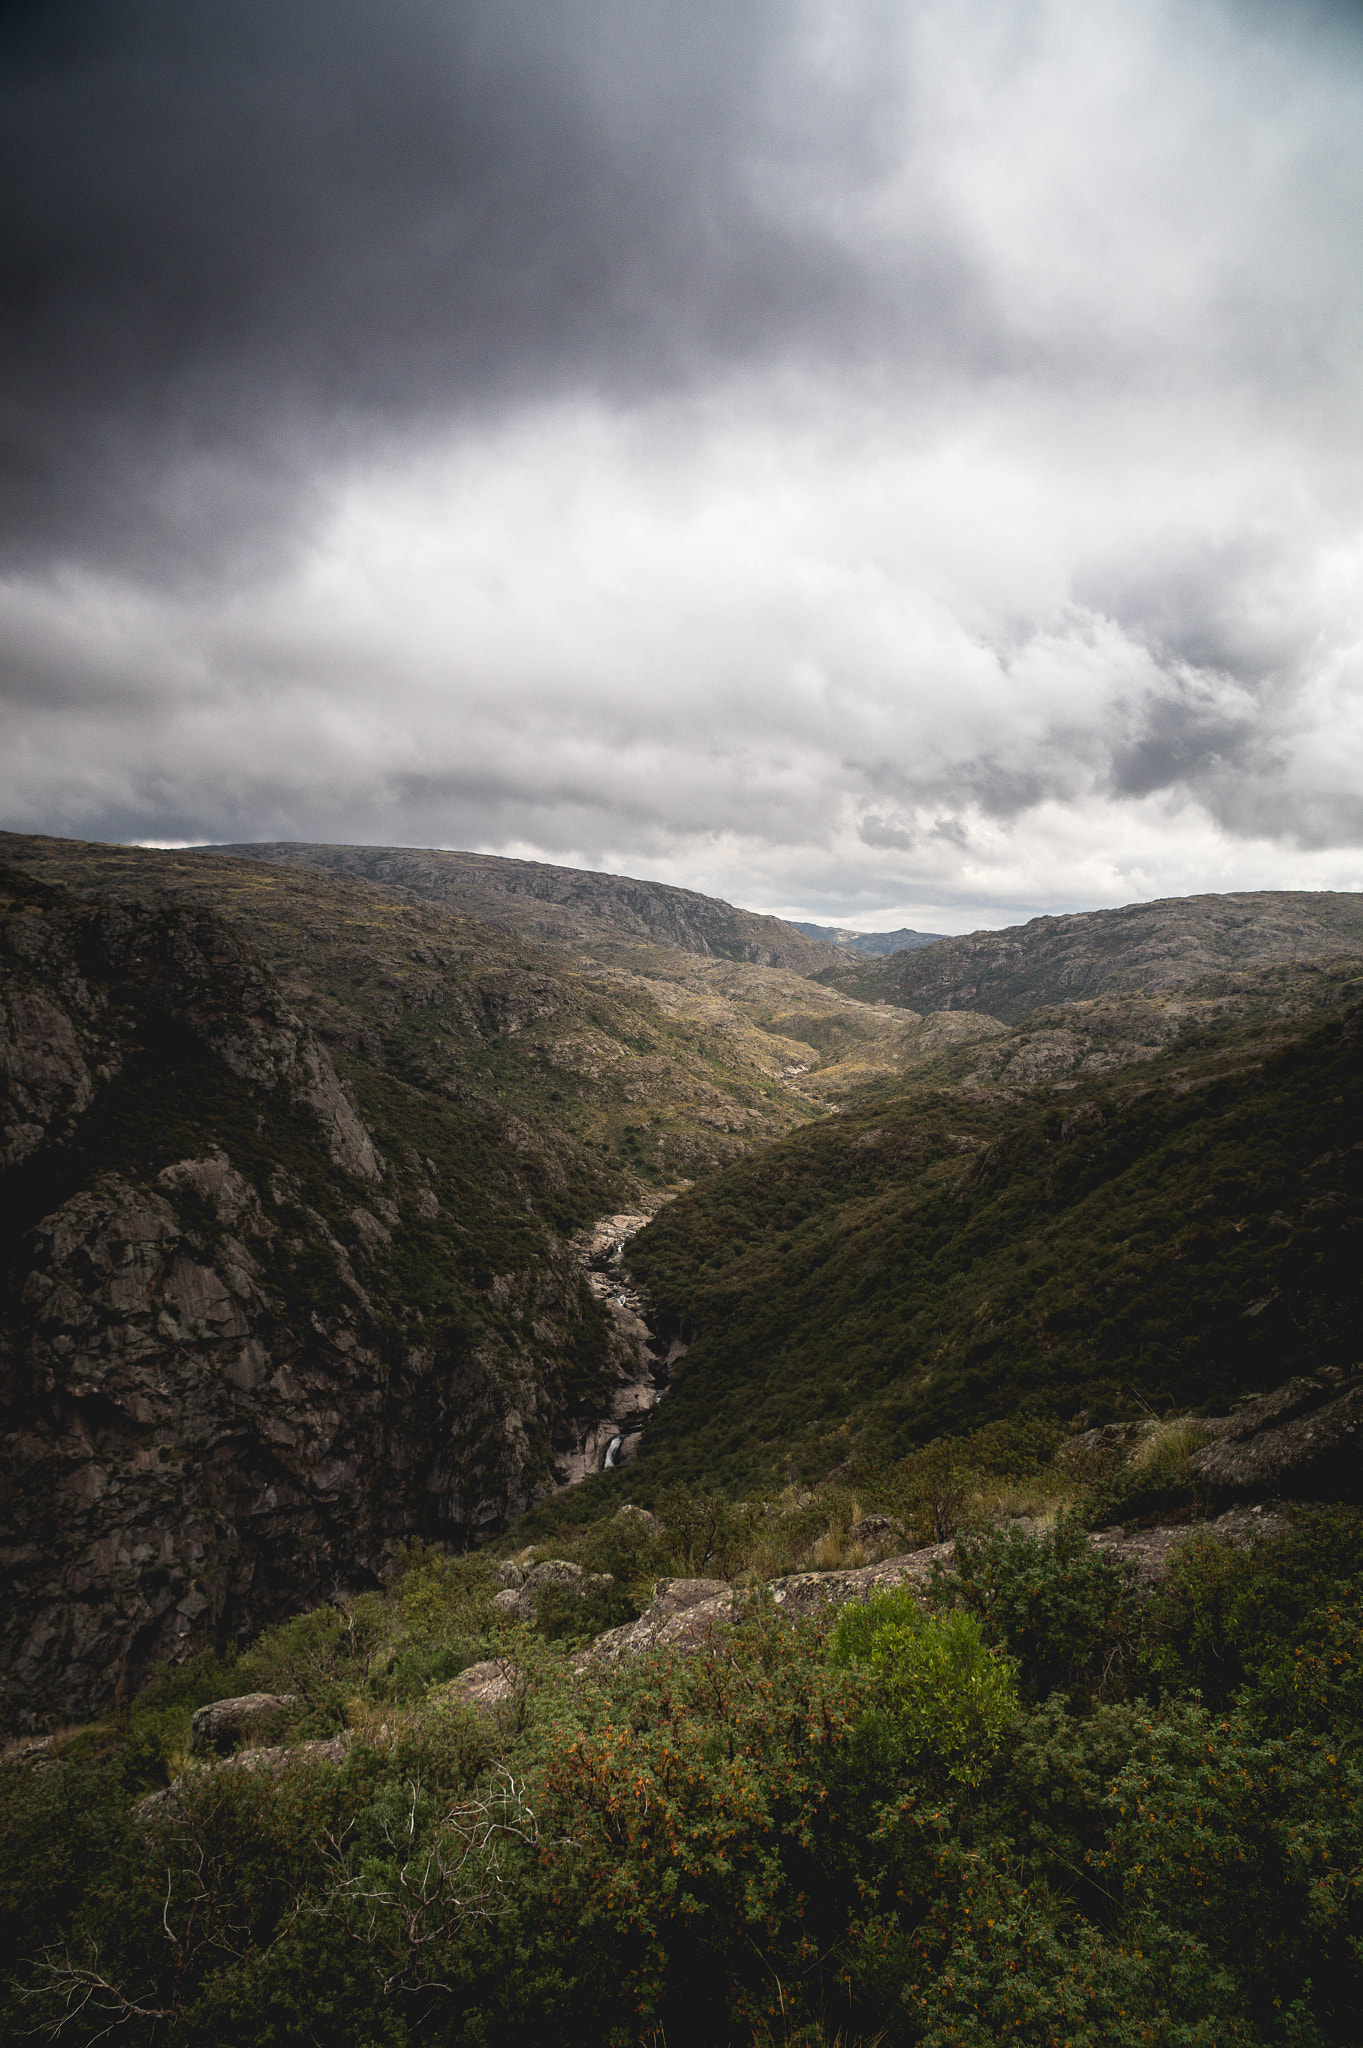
(881, 462)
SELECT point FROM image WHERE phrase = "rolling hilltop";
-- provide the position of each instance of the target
(564, 906)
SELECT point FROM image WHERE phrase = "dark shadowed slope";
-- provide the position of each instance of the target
(1178, 944)
(1178, 1233)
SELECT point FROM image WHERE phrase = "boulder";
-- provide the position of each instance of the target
(218, 1729)
(1304, 1441)
(683, 1614)
(491, 1689)
(806, 1592)
(522, 1601)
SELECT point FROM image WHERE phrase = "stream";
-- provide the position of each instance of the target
(603, 1442)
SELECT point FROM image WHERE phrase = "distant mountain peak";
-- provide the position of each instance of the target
(876, 944)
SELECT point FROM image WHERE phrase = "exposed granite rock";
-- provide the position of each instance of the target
(807, 1592)
(1146, 1554)
(522, 1601)
(218, 1729)
(492, 1688)
(218, 1403)
(683, 1614)
(273, 1761)
(688, 1614)
(1304, 1441)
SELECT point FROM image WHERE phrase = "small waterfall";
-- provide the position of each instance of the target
(612, 1449)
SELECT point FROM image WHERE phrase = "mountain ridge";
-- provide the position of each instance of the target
(581, 906)
(1167, 946)
(872, 944)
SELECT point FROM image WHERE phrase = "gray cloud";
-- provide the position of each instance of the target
(244, 239)
(854, 457)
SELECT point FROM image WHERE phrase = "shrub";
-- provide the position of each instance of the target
(705, 1534)
(1278, 1627)
(575, 1609)
(694, 1855)
(1060, 1608)
(947, 1698)
(1253, 1846)
(930, 1492)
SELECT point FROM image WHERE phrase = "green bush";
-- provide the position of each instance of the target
(1278, 1627)
(946, 1696)
(706, 1535)
(578, 1609)
(1253, 1846)
(949, 1696)
(690, 1842)
(1060, 1608)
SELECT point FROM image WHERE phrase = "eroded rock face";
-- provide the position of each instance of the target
(1304, 1441)
(218, 1402)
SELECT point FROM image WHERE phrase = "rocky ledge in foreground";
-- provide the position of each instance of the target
(685, 1612)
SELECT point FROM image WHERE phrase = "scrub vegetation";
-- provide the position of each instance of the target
(1034, 1809)
(1165, 1239)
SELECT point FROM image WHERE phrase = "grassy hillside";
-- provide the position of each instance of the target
(1175, 1234)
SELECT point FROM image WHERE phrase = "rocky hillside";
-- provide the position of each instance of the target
(306, 1177)
(257, 1327)
(1181, 945)
(299, 1178)
(871, 945)
(572, 907)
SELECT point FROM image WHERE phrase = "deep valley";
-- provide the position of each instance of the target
(467, 1326)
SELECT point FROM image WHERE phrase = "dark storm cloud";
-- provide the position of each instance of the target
(838, 452)
(240, 235)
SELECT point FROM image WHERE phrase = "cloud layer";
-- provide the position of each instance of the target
(871, 460)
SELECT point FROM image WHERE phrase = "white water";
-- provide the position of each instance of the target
(611, 1450)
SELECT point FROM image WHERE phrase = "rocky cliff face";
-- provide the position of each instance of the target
(243, 1353)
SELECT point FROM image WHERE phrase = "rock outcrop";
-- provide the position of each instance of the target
(220, 1728)
(522, 1602)
(685, 1614)
(220, 1401)
(1304, 1441)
